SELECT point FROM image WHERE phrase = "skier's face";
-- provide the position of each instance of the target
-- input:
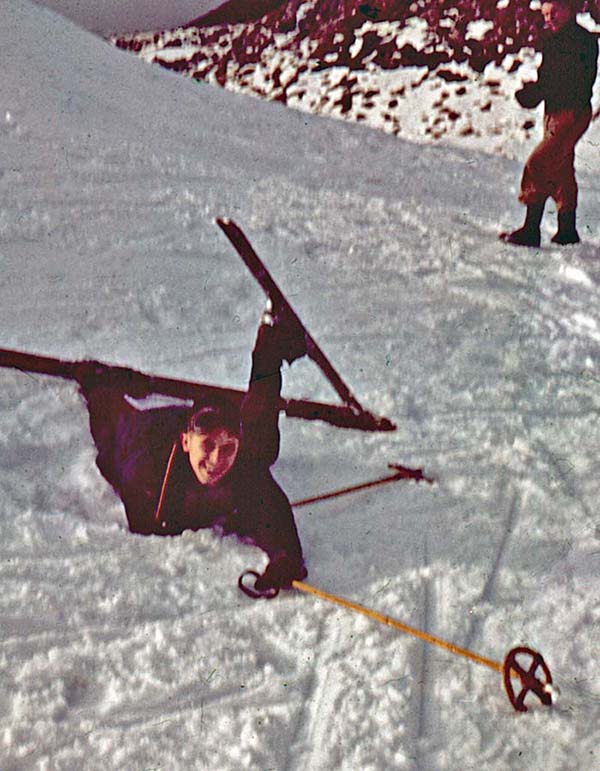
(211, 455)
(556, 15)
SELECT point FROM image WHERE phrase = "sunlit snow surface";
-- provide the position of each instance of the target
(124, 652)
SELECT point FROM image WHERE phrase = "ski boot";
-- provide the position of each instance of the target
(529, 234)
(567, 230)
(288, 335)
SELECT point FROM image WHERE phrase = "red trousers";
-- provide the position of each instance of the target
(550, 169)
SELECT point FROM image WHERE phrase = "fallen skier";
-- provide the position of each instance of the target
(178, 469)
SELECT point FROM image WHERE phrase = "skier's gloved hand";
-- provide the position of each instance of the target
(530, 95)
(280, 336)
(280, 573)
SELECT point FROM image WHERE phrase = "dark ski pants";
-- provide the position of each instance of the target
(550, 169)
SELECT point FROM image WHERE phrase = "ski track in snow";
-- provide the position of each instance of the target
(123, 652)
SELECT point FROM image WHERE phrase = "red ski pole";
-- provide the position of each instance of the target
(402, 472)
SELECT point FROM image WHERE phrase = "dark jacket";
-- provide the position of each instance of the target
(134, 447)
(567, 73)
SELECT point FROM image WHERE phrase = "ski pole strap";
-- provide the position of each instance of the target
(250, 591)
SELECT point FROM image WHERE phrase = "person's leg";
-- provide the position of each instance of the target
(277, 341)
(529, 233)
(567, 229)
(566, 193)
(538, 181)
(549, 173)
(535, 189)
(566, 205)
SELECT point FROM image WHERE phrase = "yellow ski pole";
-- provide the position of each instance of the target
(429, 638)
(511, 668)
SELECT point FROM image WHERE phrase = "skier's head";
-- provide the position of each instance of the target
(557, 13)
(211, 440)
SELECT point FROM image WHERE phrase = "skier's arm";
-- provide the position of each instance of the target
(92, 375)
(139, 509)
(106, 407)
(589, 64)
(263, 516)
(122, 435)
(285, 552)
(260, 407)
(533, 92)
(266, 518)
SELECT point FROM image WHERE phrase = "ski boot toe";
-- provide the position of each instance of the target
(522, 237)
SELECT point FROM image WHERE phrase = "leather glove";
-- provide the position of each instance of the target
(530, 95)
(279, 574)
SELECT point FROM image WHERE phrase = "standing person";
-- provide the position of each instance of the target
(176, 469)
(565, 81)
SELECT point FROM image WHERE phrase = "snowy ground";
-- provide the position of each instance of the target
(124, 652)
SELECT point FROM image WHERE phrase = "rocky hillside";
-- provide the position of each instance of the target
(423, 70)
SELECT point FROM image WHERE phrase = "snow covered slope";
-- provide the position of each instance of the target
(124, 652)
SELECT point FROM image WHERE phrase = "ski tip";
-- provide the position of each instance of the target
(366, 421)
(404, 472)
(223, 221)
(385, 424)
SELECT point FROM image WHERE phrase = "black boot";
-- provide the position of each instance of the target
(567, 230)
(529, 234)
(286, 336)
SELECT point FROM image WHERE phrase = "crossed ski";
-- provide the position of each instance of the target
(259, 270)
(349, 415)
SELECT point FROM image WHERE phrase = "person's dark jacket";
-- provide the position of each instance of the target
(567, 73)
(134, 448)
